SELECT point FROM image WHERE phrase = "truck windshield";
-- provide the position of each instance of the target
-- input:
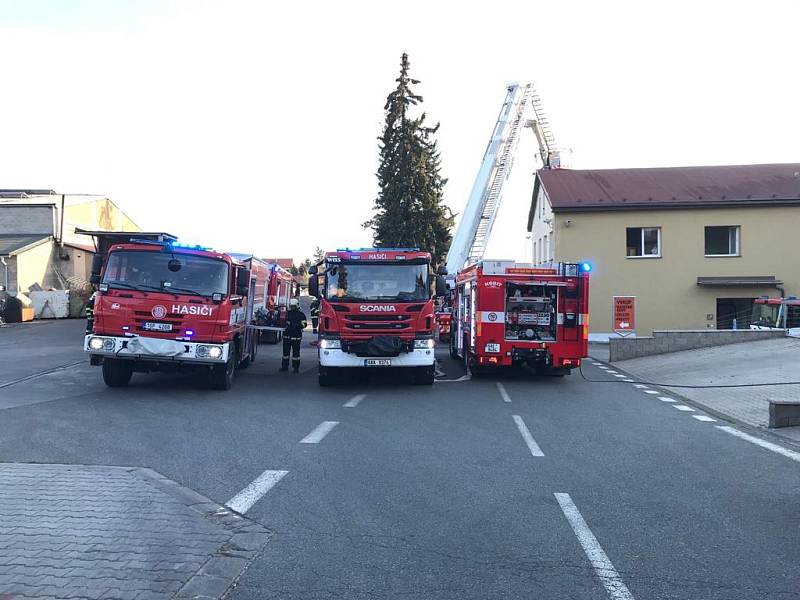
(765, 315)
(183, 273)
(398, 282)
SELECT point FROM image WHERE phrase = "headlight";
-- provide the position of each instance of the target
(201, 352)
(96, 343)
(325, 344)
(427, 343)
(214, 352)
(109, 345)
(491, 348)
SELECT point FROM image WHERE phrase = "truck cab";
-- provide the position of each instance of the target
(160, 306)
(376, 311)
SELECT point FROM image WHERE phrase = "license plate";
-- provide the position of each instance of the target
(378, 362)
(157, 326)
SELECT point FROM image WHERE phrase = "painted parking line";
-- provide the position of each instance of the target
(354, 401)
(641, 386)
(603, 566)
(242, 501)
(620, 376)
(704, 418)
(319, 433)
(610, 372)
(628, 380)
(683, 407)
(665, 399)
(795, 456)
(650, 391)
(503, 393)
(526, 435)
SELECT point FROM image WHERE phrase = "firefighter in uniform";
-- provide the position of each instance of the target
(292, 335)
(315, 315)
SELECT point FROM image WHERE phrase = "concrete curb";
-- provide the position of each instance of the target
(773, 436)
(220, 573)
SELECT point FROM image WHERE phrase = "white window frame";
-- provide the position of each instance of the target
(738, 252)
(641, 242)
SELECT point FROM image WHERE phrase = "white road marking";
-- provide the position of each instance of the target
(683, 407)
(526, 435)
(605, 570)
(704, 418)
(795, 456)
(650, 391)
(319, 433)
(621, 376)
(604, 368)
(665, 399)
(628, 380)
(466, 377)
(353, 402)
(597, 364)
(641, 386)
(242, 501)
(502, 389)
(610, 372)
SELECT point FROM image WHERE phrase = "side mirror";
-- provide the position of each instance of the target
(313, 283)
(97, 264)
(95, 278)
(242, 282)
(441, 285)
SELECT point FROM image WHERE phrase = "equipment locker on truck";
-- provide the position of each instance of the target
(161, 306)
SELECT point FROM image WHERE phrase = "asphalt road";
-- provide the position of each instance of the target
(534, 488)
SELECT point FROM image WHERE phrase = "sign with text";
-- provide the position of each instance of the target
(624, 314)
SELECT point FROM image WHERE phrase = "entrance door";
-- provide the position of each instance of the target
(734, 313)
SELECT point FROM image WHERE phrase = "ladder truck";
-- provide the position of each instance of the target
(505, 313)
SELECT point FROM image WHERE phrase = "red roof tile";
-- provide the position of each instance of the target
(685, 187)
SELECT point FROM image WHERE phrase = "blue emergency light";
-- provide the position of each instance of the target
(586, 267)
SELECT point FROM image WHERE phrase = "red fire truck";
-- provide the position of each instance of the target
(776, 313)
(376, 311)
(274, 287)
(507, 313)
(161, 306)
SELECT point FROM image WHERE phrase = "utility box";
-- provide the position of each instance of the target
(51, 305)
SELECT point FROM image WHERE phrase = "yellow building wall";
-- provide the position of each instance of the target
(33, 266)
(95, 213)
(666, 290)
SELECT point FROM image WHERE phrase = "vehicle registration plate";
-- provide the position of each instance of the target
(378, 362)
(149, 326)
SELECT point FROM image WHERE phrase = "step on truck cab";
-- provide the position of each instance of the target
(507, 313)
(376, 311)
(160, 306)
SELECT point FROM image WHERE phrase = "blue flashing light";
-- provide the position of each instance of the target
(586, 267)
(190, 246)
(190, 332)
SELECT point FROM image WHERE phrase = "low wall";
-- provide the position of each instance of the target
(663, 342)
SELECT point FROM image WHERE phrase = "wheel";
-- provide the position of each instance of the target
(246, 362)
(116, 372)
(222, 375)
(327, 377)
(424, 375)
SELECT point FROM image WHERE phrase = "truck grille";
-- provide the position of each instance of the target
(376, 323)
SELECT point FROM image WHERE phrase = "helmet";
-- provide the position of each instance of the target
(294, 303)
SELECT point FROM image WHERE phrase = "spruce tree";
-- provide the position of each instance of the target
(409, 210)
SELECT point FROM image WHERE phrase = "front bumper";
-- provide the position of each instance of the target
(338, 358)
(155, 349)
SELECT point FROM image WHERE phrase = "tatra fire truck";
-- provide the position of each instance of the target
(507, 313)
(376, 311)
(160, 306)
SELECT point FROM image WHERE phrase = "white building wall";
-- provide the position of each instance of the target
(542, 230)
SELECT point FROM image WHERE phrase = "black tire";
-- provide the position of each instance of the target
(116, 372)
(222, 375)
(246, 362)
(424, 375)
(327, 377)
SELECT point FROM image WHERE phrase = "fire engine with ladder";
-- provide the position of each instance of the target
(502, 312)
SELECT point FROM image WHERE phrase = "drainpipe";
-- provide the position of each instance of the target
(61, 230)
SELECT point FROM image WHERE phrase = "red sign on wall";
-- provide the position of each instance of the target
(624, 314)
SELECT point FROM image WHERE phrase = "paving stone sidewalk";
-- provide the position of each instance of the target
(115, 532)
(753, 362)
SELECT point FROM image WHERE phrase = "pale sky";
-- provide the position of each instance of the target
(251, 126)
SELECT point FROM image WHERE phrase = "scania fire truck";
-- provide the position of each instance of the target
(507, 313)
(777, 313)
(160, 306)
(376, 311)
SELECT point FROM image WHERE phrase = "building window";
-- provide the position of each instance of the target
(722, 240)
(644, 242)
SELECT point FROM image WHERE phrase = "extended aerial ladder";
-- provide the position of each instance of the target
(522, 107)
